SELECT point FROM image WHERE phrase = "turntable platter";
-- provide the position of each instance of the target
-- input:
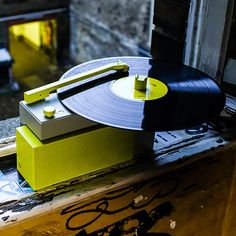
(176, 96)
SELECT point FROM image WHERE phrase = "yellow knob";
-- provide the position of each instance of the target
(49, 111)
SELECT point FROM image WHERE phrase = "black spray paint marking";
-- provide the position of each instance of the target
(142, 223)
(102, 207)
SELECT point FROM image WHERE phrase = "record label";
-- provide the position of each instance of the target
(125, 88)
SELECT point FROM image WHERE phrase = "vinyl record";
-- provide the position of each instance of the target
(176, 97)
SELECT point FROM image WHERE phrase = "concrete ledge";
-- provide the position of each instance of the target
(8, 127)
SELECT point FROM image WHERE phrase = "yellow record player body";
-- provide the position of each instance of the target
(93, 121)
(44, 163)
(55, 145)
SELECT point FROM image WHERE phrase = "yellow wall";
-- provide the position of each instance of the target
(30, 31)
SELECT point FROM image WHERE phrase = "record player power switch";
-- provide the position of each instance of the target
(49, 111)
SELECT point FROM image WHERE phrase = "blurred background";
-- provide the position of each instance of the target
(40, 40)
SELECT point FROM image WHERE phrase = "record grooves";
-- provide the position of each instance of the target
(192, 97)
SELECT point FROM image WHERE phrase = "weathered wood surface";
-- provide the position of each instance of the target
(7, 146)
(188, 188)
(207, 36)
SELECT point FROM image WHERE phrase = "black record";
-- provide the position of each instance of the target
(192, 97)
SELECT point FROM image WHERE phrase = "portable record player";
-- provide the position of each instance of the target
(104, 113)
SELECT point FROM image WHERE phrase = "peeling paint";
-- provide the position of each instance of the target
(5, 218)
(172, 224)
(138, 199)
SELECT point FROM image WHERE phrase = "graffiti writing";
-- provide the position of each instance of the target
(137, 224)
(139, 202)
